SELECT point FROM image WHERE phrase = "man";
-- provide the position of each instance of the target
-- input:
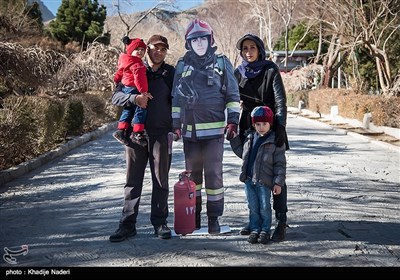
(158, 125)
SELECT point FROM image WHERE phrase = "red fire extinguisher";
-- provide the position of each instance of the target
(184, 204)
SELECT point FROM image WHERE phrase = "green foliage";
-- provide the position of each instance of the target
(367, 63)
(74, 117)
(29, 126)
(79, 20)
(310, 42)
(393, 52)
(16, 128)
(367, 69)
(50, 129)
(32, 125)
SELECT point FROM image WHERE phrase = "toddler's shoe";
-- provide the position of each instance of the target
(120, 136)
(139, 138)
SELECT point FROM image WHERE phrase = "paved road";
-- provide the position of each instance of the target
(344, 195)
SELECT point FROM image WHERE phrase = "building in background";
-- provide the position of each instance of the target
(297, 60)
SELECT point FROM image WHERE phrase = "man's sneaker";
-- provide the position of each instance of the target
(121, 234)
(120, 136)
(280, 232)
(264, 237)
(139, 138)
(213, 225)
(162, 231)
(253, 237)
(245, 230)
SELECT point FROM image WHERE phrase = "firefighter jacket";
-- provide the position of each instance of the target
(205, 97)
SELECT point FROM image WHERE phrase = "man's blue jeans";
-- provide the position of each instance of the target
(259, 204)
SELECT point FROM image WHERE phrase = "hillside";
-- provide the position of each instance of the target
(173, 24)
(46, 14)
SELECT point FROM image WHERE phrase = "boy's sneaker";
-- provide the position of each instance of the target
(253, 237)
(163, 231)
(120, 136)
(264, 237)
(139, 138)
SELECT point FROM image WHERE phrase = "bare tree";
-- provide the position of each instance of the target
(261, 11)
(354, 24)
(226, 35)
(313, 14)
(375, 22)
(285, 10)
(126, 20)
(331, 26)
(331, 61)
(268, 20)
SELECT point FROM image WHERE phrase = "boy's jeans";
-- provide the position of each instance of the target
(259, 204)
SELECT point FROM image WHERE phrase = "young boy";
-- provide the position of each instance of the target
(132, 74)
(263, 171)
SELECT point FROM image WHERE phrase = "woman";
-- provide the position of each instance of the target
(260, 84)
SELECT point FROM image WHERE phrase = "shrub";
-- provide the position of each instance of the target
(73, 118)
(33, 125)
(385, 110)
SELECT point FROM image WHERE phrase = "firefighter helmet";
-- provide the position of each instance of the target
(198, 28)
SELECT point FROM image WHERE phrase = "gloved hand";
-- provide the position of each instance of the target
(178, 133)
(231, 131)
(280, 135)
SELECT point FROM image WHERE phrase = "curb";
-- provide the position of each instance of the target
(14, 172)
(355, 135)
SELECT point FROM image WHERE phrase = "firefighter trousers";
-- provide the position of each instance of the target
(205, 157)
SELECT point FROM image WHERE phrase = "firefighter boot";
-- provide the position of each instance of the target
(213, 225)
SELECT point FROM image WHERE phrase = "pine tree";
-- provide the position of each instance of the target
(34, 13)
(296, 32)
(80, 21)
